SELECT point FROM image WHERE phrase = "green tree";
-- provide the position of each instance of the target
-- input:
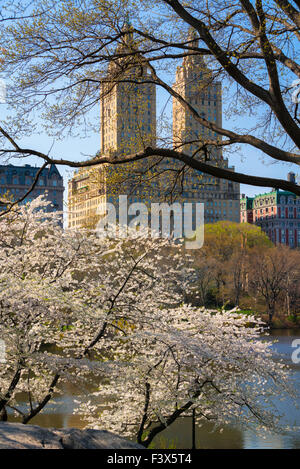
(224, 238)
(269, 272)
(222, 264)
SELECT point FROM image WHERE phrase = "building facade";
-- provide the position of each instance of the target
(194, 82)
(127, 109)
(87, 197)
(246, 206)
(128, 125)
(277, 213)
(15, 181)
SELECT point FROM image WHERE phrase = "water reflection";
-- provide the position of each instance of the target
(179, 436)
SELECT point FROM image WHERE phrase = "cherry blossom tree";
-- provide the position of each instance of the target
(186, 362)
(75, 307)
(72, 291)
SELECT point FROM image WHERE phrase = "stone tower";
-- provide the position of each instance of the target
(128, 108)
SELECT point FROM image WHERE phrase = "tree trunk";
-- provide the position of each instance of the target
(288, 296)
(3, 415)
(237, 298)
(271, 311)
(194, 429)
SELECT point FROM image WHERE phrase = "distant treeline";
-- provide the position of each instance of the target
(239, 266)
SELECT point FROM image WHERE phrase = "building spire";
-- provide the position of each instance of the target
(192, 60)
(127, 29)
(192, 36)
(127, 21)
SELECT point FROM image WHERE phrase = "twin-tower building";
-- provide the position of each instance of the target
(128, 125)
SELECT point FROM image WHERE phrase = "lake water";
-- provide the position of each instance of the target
(179, 435)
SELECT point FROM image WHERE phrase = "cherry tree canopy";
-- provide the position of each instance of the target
(76, 307)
